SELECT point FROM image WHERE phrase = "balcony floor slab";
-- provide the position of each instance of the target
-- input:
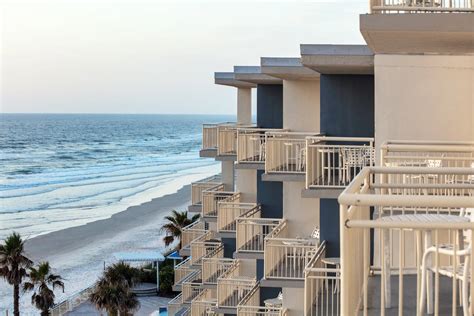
(248, 255)
(208, 153)
(280, 177)
(322, 193)
(195, 208)
(250, 165)
(226, 158)
(289, 283)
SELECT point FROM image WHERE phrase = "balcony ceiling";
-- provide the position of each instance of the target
(338, 59)
(419, 33)
(287, 68)
(253, 74)
(228, 79)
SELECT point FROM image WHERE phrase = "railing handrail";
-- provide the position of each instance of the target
(183, 263)
(259, 220)
(341, 139)
(190, 226)
(321, 250)
(277, 230)
(260, 129)
(429, 148)
(280, 135)
(424, 142)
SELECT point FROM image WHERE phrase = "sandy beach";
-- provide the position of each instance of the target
(79, 253)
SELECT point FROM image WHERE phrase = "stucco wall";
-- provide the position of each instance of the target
(301, 105)
(302, 213)
(246, 184)
(424, 97)
(244, 105)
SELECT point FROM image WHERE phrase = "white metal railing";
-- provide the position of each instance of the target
(209, 136)
(250, 305)
(285, 257)
(213, 268)
(191, 232)
(71, 302)
(321, 286)
(191, 286)
(211, 197)
(175, 305)
(201, 185)
(182, 270)
(251, 144)
(228, 211)
(416, 201)
(233, 286)
(204, 246)
(227, 138)
(251, 231)
(204, 304)
(413, 6)
(332, 162)
(427, 154)
(286, 152)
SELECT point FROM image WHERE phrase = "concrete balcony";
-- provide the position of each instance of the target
(227, 140)
(434, 154)
(198, 187)
(209, 141)
(191, 286)
(251, 233)
(286, 257)
(232, 287)
(205, 246)
(333, 162)
(181, 271)
(409, 256)
(213, 268)
(176, 308)
(250, 306)
(251, 147)
(286, 156)
(227, 213)
(190, 233)
(204, 304)
(211, 199)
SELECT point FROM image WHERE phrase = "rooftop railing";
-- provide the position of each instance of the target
(209, 136)
(250, 306)
(213, 268)
(233, 286)
(182, 270)
(205, 184)
(211, 198)
(332, 162)
(286, 257)
(205, 245)
(204, 304)
(420, 217)
(251, 231)
(286, 152)
(191, 232)
(414, 6)
(251, 144)
(228, 211)
(427, 154)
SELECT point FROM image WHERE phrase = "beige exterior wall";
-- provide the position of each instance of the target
(293, 300)
(227, 171)
(424, 97)
(301, 105)
(302, 213)
(244, 105)
(246, 184)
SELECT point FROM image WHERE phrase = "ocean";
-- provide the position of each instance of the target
(64, 170)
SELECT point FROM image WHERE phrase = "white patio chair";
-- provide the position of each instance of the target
(462, 273)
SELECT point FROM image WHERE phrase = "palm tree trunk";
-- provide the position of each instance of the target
(16, 300)
(45, 313)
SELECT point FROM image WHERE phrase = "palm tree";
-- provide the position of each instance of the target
(13, 265)
(40, 280)
(176, 222)
(113, 290)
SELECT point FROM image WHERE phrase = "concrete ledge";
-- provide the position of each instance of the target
(209, 219)
(226, 310)
(253, 74)
(321, 193)
(280, 177)
(226, 234)
(226, 158)
(282, 283)
(185, 252)
(250, 165)
(176, 288)
(195, 208)
(228, 79)
(248, 255)
(338, 59)
(209, 285)
(208, 153)
(287, 68)
(423, 33)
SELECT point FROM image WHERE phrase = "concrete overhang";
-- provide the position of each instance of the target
(228, 79)
(287, 68)
(424, 33)
(253, 74)
(338, 59)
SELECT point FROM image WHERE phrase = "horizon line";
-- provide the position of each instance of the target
(104, 113)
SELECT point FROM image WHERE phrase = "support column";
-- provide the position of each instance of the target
(244, 105)
(227, 170)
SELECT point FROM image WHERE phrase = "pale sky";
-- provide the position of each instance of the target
(144, 56)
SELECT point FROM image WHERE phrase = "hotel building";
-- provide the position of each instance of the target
(353, 192)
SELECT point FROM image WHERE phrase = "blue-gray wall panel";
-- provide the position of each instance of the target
(270, 197)
(270, 105)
